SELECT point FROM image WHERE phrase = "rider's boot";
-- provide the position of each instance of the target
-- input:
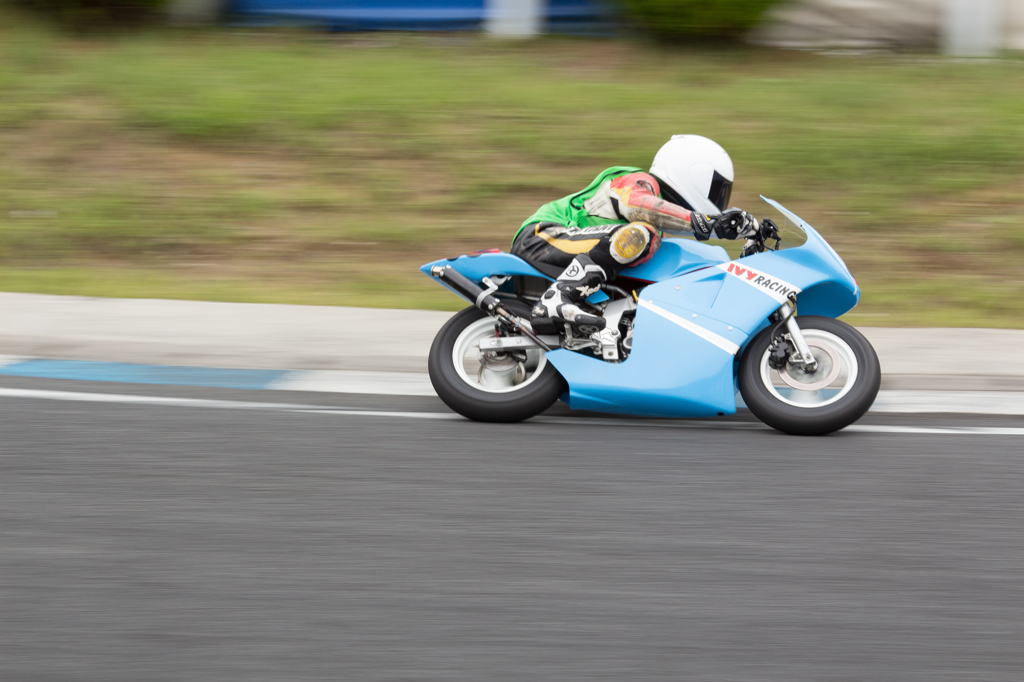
(560, 303)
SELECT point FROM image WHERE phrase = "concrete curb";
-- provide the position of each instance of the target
(221, 335)
(287, 337)
(418, 384)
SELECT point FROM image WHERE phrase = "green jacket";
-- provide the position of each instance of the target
(569, 210)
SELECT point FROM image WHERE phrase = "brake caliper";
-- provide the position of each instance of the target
(779, 352)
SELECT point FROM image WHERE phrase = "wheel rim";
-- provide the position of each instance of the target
(493, 377)
(835, 376)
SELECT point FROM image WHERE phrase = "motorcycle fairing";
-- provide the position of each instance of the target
(681, 363)
(838, 292)
(670, 372)
(676, 256)
(477, 267)
(493, 264)
(692, 324)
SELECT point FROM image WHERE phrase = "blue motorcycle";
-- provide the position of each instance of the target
(685, 331)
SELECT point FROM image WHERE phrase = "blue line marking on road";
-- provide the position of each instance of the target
(84, 370)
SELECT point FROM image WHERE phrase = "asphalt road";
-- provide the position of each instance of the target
(168, 542)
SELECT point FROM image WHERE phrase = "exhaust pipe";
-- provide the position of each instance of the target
(466, 288)
(483, 300)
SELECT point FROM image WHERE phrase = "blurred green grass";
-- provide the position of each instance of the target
(315, 168)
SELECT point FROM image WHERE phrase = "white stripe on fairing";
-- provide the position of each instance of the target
(706, 334)
(732, 266)
(159, 401)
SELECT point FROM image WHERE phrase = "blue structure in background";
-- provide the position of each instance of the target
(406, 15)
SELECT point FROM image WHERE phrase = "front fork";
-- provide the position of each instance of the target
(806, 358)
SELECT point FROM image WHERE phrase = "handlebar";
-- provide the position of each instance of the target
(759, 243)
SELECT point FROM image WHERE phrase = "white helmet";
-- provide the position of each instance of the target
(695, 173)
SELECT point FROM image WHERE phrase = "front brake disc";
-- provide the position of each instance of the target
(818, 378)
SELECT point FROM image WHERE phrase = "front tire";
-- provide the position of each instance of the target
(473, 390)
(839, 393)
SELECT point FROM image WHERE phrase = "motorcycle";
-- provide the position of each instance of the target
(685, 331)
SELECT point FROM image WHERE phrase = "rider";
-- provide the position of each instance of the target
(618, 220)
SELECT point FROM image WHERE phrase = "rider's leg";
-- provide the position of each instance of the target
(590, 256)
(561, 301)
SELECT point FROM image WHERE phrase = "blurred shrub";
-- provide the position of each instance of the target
(90, 14)
(669, 19)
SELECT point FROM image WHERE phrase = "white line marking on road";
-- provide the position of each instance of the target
(385, 413)
(349, 381)
(963, 402)
(11, 359)
(142, 399)
(205, 403)
(939, 431)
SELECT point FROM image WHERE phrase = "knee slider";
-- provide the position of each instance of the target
(630, 241)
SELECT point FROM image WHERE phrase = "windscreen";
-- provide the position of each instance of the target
(792, 234)
(790, 229)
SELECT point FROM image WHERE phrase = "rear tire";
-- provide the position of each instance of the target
(813, 412)
(509, 404)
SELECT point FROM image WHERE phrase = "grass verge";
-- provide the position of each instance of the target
(314, 168)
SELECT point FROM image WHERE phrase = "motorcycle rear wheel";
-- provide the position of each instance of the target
(510, 393)
(837, 394)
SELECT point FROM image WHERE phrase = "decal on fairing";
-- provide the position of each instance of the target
(778, 289)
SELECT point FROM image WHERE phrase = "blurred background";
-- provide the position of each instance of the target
(318, 151)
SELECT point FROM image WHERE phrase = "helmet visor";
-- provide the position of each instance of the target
(721, 190)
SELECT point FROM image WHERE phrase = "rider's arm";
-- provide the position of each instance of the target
(635, 197)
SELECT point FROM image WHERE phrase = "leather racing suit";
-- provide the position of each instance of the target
(616, 221)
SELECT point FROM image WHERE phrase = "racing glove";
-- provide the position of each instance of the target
(731, 224)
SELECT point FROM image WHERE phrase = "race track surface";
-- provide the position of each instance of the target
(175, 542)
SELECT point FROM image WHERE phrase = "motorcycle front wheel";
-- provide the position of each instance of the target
(835, 395)
(496, 388)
